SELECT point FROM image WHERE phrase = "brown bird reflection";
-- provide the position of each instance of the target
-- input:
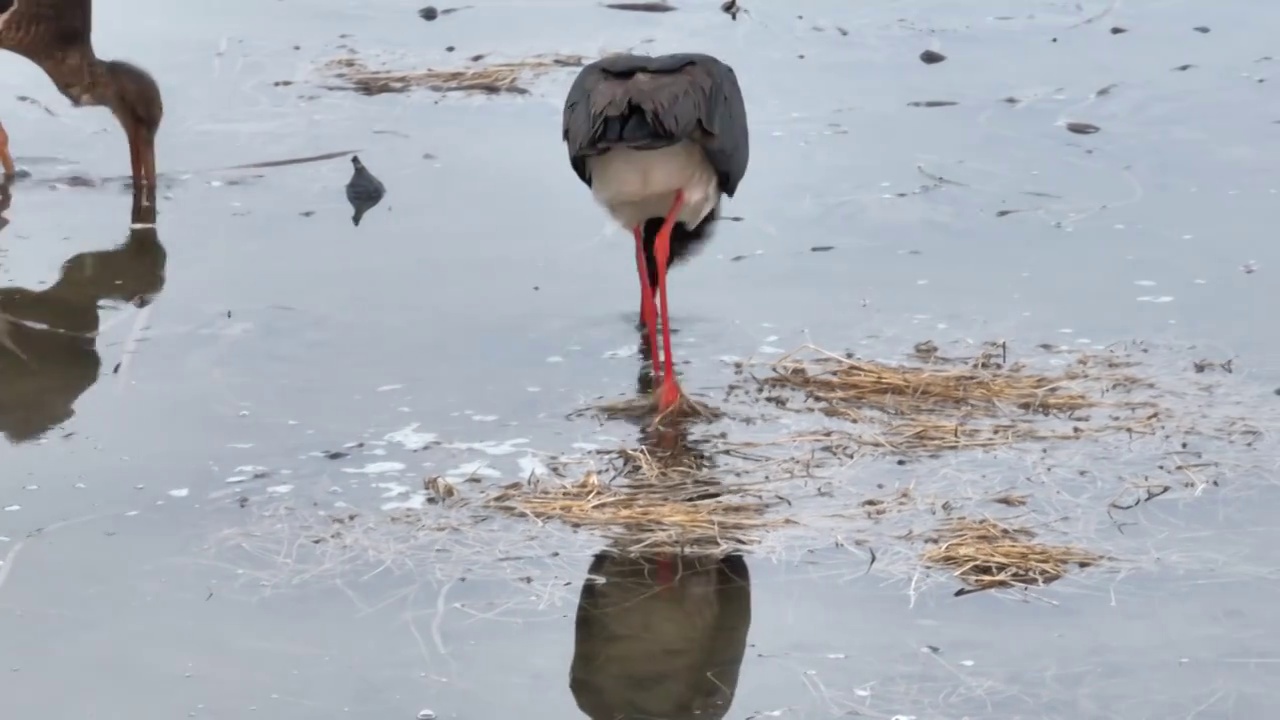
(48, 338)
(649, 651)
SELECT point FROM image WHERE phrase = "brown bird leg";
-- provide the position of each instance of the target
(5, 158)
(669, 394)
(648, 312)
(149, 163)
(135, 158)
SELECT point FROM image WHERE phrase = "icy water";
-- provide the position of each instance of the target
(486, 297)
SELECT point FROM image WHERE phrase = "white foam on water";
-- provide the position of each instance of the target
(280, 489)
(393, 489)
(476, 468)
(531, 465)
(410, 439)
(385, 388)
(416, 501)
(491, 447)
(377, 468)
(180, 492)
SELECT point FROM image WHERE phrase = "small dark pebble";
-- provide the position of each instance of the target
(449, 48)
(822, 248)
(336, 455)
(1276, 391)
(429, 13)
(1184, 68)
(652, 7)
(1081, 128)
(931, 57)
(932, 103)
(1117, 30)
(1201, 29)
(1002, 213)
(307, 213)
(732, 218)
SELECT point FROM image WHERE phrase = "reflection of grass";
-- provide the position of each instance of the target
(985, 554)
(654, 516)
(493, 78)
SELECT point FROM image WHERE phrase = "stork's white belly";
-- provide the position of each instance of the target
(635, 185)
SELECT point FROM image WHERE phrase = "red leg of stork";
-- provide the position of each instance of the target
(648, 312)
(669, 393)
(665, 572)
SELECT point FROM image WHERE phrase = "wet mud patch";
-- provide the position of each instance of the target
(479, 76)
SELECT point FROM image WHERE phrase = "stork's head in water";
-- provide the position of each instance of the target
(134, 98)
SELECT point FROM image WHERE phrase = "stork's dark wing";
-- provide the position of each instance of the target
(648, 102)
(42, 30)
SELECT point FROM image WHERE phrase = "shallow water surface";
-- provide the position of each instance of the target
(179, 402)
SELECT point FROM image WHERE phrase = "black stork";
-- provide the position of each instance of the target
(55, 34)
(658, 140)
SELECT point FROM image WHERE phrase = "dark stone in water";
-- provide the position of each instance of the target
(1201, 29)
(1184, 68)
(1117, 30)
(1082, 128)
(931, 57)
(429, 13)
(364, 191)
(653, 7)
(932, 103)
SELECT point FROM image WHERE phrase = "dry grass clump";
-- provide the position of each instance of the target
(847, 386)
(955, 403)
(658, 516)
(490, 79)
(986, 554)
(644, 408)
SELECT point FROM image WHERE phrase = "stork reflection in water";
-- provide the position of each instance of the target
(645, 650)
(48, 338)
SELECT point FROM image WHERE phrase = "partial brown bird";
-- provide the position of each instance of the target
(658, 140)
(55, 34)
